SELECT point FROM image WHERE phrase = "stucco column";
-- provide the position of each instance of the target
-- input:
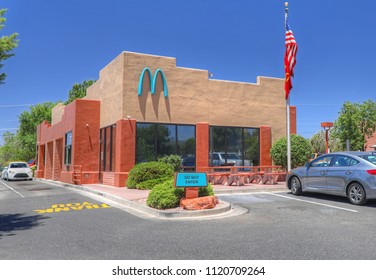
(202, 146)
(125, 150)
(265, 145)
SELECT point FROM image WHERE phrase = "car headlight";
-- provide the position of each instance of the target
(11, 172)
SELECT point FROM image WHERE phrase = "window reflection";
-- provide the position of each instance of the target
(158, 140)
(234, 146)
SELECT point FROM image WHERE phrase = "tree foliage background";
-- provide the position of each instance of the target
(78, 91)
(22, 144)
(356, 122)
(7, 44)
(318, 142)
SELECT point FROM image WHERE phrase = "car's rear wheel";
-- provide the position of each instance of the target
(356, 194)
(295, 186)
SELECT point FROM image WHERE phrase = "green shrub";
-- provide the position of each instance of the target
(33, 168)
(208, 191)
(147, 171)
(165, 195)
(174, 160)
(300, 151)
(150, 184)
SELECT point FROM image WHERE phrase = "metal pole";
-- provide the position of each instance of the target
(288, 108)
(327, 140)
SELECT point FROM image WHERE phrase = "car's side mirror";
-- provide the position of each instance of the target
(307, 165)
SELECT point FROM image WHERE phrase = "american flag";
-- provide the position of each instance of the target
(290, 58)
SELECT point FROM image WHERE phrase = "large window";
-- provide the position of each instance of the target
(107, 148)
(157, 140)
(68, 148)
(234, 146)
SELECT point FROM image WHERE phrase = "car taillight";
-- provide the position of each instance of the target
(371, 171)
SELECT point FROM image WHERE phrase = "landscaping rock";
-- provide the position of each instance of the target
(200, 203)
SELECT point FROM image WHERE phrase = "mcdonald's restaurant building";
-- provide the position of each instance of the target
(144, 107)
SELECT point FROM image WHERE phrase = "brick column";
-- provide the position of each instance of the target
(49, 159)
(57, 159)
(265, 145)
(125, 150)
(202, 146)
(293, 119)
(39, 173)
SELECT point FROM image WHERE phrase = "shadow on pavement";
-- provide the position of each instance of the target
(9, 223)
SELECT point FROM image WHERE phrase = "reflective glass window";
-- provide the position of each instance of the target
(234, 146)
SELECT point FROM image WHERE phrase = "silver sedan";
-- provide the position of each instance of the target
(349, 174)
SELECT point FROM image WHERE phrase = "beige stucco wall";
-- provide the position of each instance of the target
(192, 96)
(57, 113)
(109, 90)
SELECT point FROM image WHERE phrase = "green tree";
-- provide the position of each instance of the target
(10, 150)
(28, 120)
(7, 44)
(355, 123)
(300, 151)
(78, 91)
(318, 142)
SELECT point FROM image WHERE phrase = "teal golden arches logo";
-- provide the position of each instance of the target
(153, 81)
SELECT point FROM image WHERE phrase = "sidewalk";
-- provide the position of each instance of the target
(134, 194)
(136, 199)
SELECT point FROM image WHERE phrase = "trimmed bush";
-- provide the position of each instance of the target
(208, 191)
(300, 151)
(150, 184)
(174, 160)
(148, 171)
(165, 195)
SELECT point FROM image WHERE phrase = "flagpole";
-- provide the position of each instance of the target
(288, 109)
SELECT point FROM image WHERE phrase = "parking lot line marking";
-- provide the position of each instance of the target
(9, 187)
(312, 202)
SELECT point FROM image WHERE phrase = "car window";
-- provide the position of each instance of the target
(322, 161)
(18, 165)
(344, 161)
(215, 156)
(370, 158)
(232, 156)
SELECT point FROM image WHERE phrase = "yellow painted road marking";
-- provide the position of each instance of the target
(57, 208)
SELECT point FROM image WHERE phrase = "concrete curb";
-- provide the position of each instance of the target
(221, 209)
(249, 191)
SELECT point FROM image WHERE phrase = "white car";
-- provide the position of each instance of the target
(17, 171)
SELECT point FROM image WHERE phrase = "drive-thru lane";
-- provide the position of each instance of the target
(52, 222)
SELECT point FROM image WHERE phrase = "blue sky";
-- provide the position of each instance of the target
(64, 42)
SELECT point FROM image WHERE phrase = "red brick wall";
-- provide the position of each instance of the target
(57, 160)
(370, 142)
(202, 146)
(109, 178)
(82, 117)
(49, 158)
(265, 145)
(293, 119)
(125, 151)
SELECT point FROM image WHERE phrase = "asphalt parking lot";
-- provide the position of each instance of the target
(312, 226)
(276, 226)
